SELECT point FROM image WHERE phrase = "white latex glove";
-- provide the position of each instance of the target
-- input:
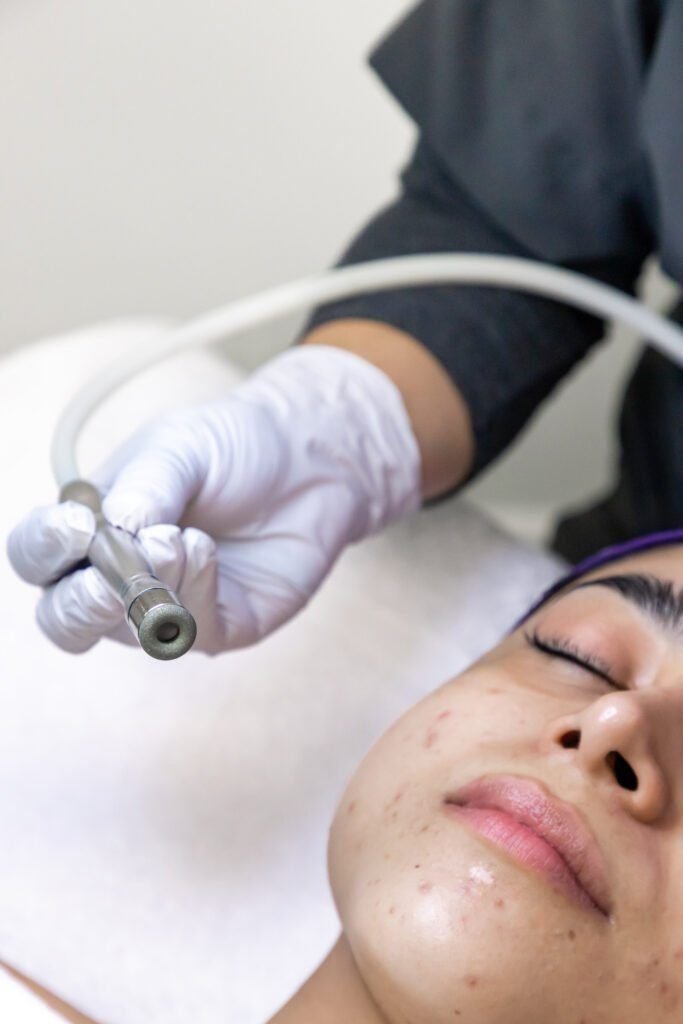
(242, 505)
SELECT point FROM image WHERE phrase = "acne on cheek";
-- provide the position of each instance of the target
(669, 996)
(351, 808)
(351, 812)
(430, 739)
(667, 988)
(432, 732)
(440, 723)
(390, 808)
(431, 735)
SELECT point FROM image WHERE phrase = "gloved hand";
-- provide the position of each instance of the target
(242, 505)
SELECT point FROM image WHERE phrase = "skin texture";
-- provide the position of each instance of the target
(439, 925)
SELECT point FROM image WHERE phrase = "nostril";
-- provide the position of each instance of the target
(623, 772)
(571, 739)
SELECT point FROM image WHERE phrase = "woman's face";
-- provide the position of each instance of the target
(457, 913)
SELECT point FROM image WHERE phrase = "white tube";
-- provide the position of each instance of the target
(401, 272)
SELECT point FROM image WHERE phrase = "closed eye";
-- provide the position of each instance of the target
(568, 650)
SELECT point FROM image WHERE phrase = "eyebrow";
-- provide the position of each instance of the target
(652, 595)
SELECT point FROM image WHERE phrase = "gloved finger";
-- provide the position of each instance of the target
(49, 540)
(156, 484)
(165, 551)
(78, 610)
(198, 590)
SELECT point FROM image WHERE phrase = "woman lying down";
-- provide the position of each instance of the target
(511, 850)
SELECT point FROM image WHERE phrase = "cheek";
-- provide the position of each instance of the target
(649, 969)
(469, 726)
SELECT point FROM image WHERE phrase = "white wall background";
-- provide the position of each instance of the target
(164, 157)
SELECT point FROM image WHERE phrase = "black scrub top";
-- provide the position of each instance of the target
(551, 129)
(555, 115)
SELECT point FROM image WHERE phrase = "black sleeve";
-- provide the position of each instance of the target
(505, 350)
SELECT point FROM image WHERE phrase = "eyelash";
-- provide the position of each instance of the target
(561, 647)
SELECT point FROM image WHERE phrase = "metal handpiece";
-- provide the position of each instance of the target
(164, 628)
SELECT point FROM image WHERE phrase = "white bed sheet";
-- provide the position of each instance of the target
(18, 1005)
(164, 825)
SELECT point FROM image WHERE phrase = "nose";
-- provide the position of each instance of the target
(621, 742)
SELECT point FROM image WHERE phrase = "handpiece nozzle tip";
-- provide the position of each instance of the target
(164, 628)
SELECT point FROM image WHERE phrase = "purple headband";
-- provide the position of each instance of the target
(604, 557)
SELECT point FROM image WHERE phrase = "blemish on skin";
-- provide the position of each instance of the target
(408, 737)
(425, 887)
(397, 796)
(571, 934)
(493, 689)
(431, 738)
(678, 955)
(351, 808)
(499, 903)
(425, 828)
(392, 910)
(394, 816)
(443, 715)
(481, 874)
(471, 980)
(417, 865)
(663, 988)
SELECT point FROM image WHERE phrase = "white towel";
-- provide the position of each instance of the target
(18, 1005)
(164, 825)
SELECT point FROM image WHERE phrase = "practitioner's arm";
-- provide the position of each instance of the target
(471, 363)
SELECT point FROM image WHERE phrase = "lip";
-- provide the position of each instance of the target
(544, 833)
